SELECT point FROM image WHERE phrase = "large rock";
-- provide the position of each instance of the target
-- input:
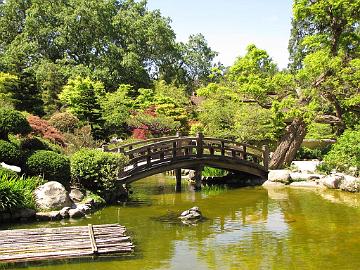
(76, 195)
(350, 184)
(306, 166)
(299, 176)
(332, 181)
(46, 216)
(191, 214)
(76, 213)
(282, 176)
(52, 196)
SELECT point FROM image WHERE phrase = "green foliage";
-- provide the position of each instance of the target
(116, 109)
(8, 173)
(50, 165)
(345, 153)
(82, 96)
(9, 153)
(17, 192)
(305, 153)
(319, 131)
(12, 122)
(8, 85)
(80, 138)
(213, 172)
(96, 170)
(65, 121)
(30, 144)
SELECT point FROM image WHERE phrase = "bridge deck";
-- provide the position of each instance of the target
(62, 243)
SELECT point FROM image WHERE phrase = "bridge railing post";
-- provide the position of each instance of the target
(222, 148)
(148, 157)
(266, 156)
(199, 144)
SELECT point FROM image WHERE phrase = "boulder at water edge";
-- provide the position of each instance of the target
(282, 176)
(52, 196)
(350, 184)
(332, 181)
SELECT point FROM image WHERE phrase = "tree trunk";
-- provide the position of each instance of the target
(289, 144)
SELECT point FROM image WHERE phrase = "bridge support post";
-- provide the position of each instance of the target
(198, 177)
(178, 180)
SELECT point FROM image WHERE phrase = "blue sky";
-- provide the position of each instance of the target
(230, 25)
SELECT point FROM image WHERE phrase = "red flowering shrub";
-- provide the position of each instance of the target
(42, 128)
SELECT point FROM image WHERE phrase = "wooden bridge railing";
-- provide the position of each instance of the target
(145, 154)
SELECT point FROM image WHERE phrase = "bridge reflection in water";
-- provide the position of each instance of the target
(159, 155)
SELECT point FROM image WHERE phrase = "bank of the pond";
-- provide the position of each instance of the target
(246, 228)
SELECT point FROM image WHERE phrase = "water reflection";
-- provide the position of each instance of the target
(248, 228)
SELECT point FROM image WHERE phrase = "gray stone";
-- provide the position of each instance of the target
(306, 166)
(52, 196)
(76, 195)
(10, 167)
(27, 213)
(350, 184)
(191, 214)
(65, 212)
(332, 181)
(282, 176)
(305, 184)
(46, 216)
(296, 176)
(76, 213)
(84, 208)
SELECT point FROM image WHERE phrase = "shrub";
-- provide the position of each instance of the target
(50, 165)
(32, 144)
(13, 122)
(17, 192)
(44, 129)
(65, 122)
(81, 138)
(96, 170)
(345, 153)
(7, 172)
(9, 153)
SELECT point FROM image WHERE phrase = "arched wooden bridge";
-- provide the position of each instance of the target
(158, 155)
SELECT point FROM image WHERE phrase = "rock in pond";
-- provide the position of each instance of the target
(305, 184)
(192, 214)
(52, 195)
(350, 184)
(76, 195)
(332, 181)
(282, 176)
(76, 213)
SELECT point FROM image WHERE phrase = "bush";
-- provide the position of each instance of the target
(7, 172)
(9, 153)
(96, 170)
(50, 165)
(345, 153)
(17, 192)
(44, 129)
(65, 122)
(307, 153)
(32, 144)
(13, 122)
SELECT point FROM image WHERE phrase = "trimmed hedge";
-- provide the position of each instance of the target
(96, 170)
(13, 122)
(32, 144)
(50, 165)
(9, 153)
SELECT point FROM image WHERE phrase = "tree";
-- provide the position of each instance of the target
(82, 98)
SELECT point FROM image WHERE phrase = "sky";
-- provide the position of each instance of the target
(230, 25)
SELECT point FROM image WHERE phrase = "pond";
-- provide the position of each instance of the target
(245, 228)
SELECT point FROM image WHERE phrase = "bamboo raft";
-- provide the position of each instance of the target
(63, 243)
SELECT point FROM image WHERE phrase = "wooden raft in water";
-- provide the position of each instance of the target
(63, 242)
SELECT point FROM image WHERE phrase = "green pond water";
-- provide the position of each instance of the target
(246, 228)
